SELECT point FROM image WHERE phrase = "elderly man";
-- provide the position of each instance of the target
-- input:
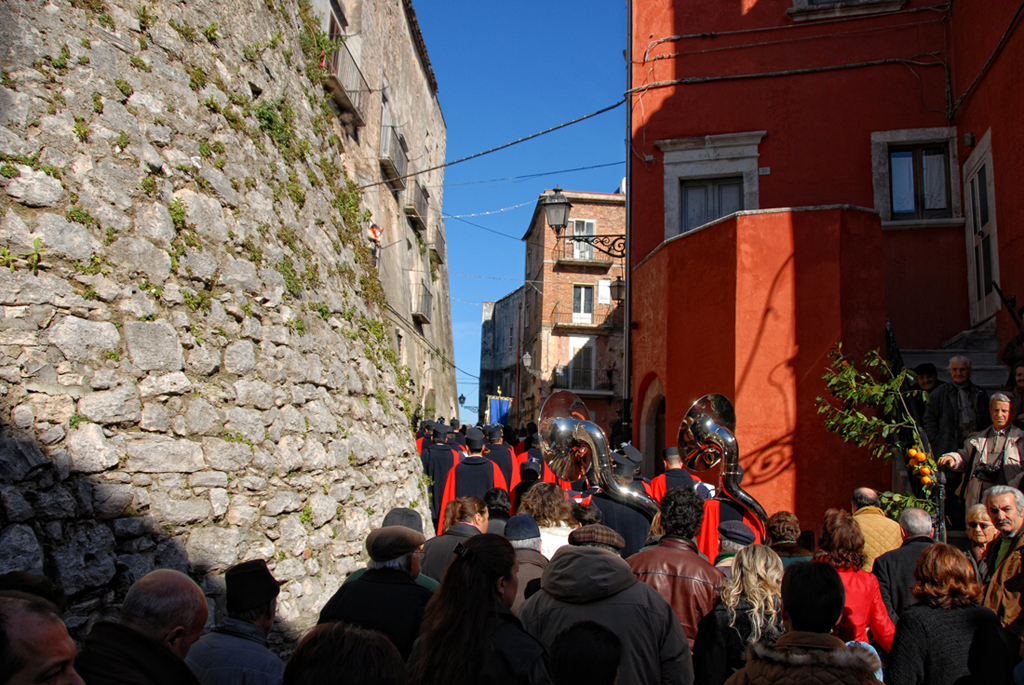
(587, 580)
(991, 457)
(955, 411)
(732, 537)
(386, 598)
(524, 534)
(235, 652)
(895, 569)
(881, 533)
(34, 644)
(162, 615)
(675, 568)
(1003, 595)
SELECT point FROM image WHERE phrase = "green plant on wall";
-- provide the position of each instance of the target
(867, 408)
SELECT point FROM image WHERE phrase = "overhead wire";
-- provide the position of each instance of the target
(527, 176)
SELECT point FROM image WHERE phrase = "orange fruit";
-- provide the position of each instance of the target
(925, 471)
(926, 481)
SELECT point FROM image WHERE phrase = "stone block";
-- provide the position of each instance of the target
(248, 422)
(203, 359)
(240, 357)
(208, 479)
(86, 560)
(89, 451)
(213, 549)
(256, 393)
(111, 500)
(154, 223)
(155, 418)
(206, 213)
(120, 405)
(174, 383)
(22, 551)
(226, 456)
(178, 512)
(35, 188)
(18, 457)
(16, 507)
(283, 502)
(62, 238)
(219, 501)
(161, 454)
(80, 340)
(323, 508)
(134, 255)
(153, 346)
(202, 419)
(55, 504)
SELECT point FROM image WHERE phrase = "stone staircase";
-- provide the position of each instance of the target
(980, 346)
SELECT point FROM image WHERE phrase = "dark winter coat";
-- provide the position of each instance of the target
(895, 573)
(235, 653)
(791, 552)
(800, 658)
(942, 416)
(386, 600)
(932, 646)
(514, 657)
(531, 567)
(720, 648)
(630, 523)
(438, 551)
(114, 654)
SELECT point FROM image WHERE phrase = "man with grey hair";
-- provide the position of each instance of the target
(523, 532)
(990, 457)
(162, 615)
(955, 411)
(34, 643)
(1003, 594)
(386, 598)
(895, 569)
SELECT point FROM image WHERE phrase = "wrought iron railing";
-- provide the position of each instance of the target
(347, 84)
(600, 315)
(423, 304)
(417, 204)
(392, 157)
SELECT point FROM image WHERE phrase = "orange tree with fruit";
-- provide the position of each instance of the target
(868, 408)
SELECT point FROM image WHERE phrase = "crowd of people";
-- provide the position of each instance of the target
(527, 578)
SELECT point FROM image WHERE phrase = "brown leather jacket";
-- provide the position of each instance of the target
(685, 579)
(1004, 591)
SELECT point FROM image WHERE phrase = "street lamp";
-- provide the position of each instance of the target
(527, 360)
(557, 207)
(618, 289)
(462, 399)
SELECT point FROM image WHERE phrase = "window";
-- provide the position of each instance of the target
(718, 173)
(919, 180)
(582, 304)
(582, 369)
(809, 10)
(916, 178)
(581, 250)
(704, 200)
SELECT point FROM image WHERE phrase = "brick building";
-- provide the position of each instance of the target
(809, 169)
(572, 328)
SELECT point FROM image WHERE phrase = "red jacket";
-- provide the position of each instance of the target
(864, 608)
(707, 536)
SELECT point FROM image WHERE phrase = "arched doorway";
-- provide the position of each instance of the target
(652, 427)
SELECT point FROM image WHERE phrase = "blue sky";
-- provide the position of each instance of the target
(506, 70)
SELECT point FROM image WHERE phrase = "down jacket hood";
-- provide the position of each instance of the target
(579, 575)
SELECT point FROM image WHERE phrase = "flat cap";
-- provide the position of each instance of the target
(474, 439)
(529, 466)
(403, 516)
(737, 531)
(385, 544)
(521, 527)
(494, 434)
(440, 429)
(596, 534)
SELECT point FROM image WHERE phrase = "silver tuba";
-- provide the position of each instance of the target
(571, 443)
(706, 437)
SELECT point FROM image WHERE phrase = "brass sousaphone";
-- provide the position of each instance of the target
(571, 443)
(706, 437)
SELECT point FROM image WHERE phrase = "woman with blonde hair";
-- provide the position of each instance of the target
(547, 504)
(749, 610)
(980, 532)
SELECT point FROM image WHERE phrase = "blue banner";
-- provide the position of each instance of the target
(498, 408)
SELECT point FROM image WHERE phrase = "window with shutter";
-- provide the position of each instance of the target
(582, 304)
(707, 199)
(582, 250)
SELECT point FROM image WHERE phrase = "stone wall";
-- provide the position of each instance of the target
(194, 369)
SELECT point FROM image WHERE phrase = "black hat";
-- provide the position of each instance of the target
(596, 534)
(250, 585)
(926, 368)
(625, 461)
(440, 430)
(386, 544)
(737, 531)
(533, 441)
(454, 423)
(494, 434)
(403, 516)
(531, 428)
(529, 466)
(474, 439)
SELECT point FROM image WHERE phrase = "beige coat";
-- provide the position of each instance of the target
(975, 451)
(881, 534)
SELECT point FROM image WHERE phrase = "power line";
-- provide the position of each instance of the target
(495, 149)
(527, 176)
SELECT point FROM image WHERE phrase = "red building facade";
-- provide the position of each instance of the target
(808, 169)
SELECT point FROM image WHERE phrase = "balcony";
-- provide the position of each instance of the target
(437, 245)
(417, 204)
(393, 159)
(580, 379)
(348, 86)
(578, 253)
(422, 304)
(600, 320)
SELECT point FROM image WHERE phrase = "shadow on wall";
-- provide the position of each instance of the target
(81, 531)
